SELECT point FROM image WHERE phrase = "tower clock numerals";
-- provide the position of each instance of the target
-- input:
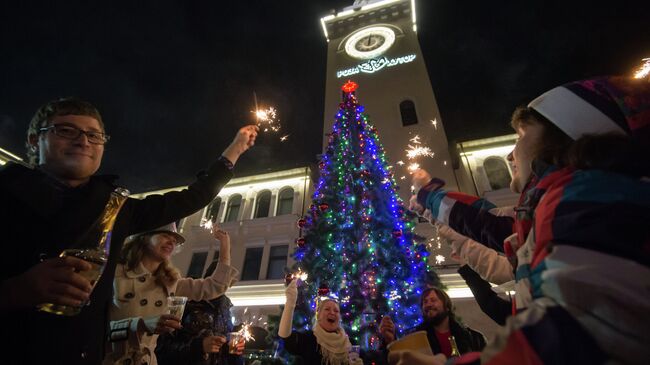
(370, 42)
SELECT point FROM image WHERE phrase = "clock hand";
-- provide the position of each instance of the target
(369, 38)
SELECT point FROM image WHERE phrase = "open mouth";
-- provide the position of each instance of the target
(331, 320)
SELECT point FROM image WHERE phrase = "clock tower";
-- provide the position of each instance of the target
(374, 43)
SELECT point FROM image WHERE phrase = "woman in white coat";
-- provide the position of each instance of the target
(144, 279)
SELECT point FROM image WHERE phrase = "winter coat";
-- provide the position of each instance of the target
(584, 268)
(40, 217)
(138, 296)
(200, 319)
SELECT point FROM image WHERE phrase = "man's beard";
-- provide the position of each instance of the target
(437, 319)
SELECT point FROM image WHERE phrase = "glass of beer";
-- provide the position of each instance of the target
(235, 338)
(176, 306)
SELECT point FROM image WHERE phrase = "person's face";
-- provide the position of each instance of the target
(329, 316)
(522, 156)
(73, 161)
(161, 246)
(432, 306)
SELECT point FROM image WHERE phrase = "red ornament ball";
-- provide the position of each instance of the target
(302, 222)
(323, 290)
(301, 242)
(324, 206)
(397, 233)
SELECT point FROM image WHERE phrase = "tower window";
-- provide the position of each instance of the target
(407, 110)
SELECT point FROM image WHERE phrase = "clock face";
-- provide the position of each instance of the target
(370, 42)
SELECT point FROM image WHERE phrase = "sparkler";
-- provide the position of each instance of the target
(644, 70)
(206, 224)
(266, 119)
(245, 332)
(300, 275)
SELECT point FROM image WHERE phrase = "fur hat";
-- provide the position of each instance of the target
(599, 105)
(167, 228)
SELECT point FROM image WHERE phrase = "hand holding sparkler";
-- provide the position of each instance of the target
(244, 140)
(224, 240)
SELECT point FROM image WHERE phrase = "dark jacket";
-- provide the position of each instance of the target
(39, 217)
(304, 345)
(467, 339)
(491, 304)
(200, 319)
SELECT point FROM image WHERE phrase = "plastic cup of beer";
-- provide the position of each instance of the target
(355, 352)
(176, 306)
(416, 341)
(234, 339)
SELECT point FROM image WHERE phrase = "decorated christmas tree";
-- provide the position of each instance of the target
(357, 242)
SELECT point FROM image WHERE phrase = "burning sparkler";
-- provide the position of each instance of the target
(245, 332)
(644, 70)
(266, 119)
(206, 224)
(300, 275)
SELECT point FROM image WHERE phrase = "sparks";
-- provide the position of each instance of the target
(400, 162)
(414, 166)
(300, 275)
(284, 138)
(644, 70)
(435, 123)
(267, 119)
(245, 332)
(415, 140)
(415, 151)
(206, 224)
(439, 259)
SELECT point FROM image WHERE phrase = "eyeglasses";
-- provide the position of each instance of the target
(70, 132)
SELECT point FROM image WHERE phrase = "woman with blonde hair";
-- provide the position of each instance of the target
(144, 278)
(327, 343)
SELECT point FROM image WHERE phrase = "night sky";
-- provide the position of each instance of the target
(174, 80)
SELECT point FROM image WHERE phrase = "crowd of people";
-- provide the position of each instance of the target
(575, 249)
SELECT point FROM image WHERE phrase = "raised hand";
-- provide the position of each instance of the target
(387, 329)
(54, 281)
(291, 293)
(244, 139)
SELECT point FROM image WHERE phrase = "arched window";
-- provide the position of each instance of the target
(262, 204)
(212, 213)
(232, 212)
(407, 110)
(497, 172)
(285, 202)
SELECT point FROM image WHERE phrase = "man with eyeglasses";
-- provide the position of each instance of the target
(47, 208)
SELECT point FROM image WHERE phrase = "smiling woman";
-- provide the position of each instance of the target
(144, 279)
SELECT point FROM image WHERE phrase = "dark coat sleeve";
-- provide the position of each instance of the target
(157, 210)
(491, 304)
(481, 225)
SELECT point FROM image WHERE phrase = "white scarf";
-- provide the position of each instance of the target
(334, 346)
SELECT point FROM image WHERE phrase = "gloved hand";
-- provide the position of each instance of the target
(291, 293)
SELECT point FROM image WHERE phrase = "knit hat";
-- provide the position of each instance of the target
(599, 105)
